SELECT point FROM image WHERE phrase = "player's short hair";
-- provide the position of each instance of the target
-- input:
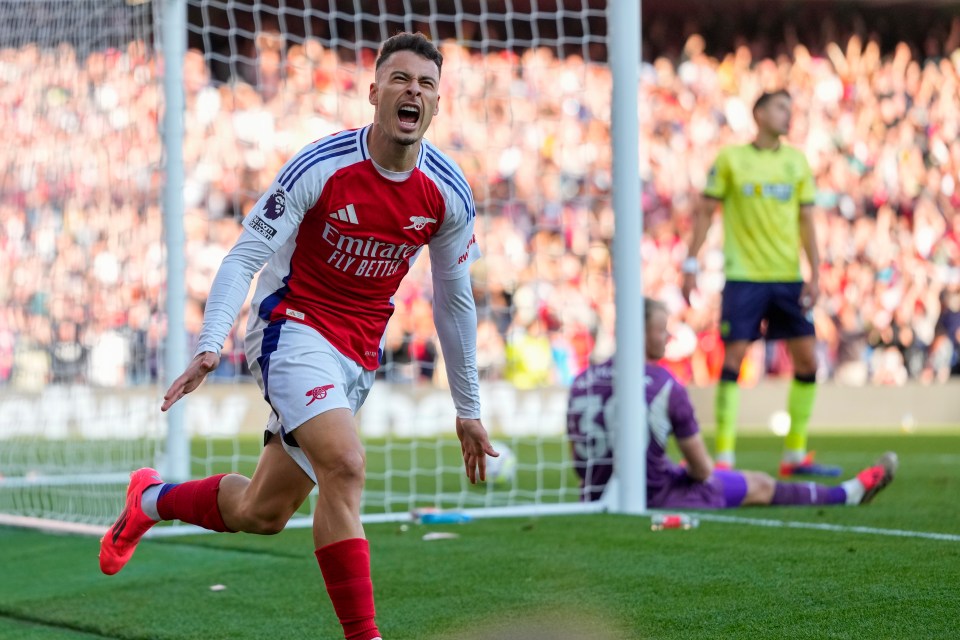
(767, 96)
(406, 41)
(651, 306)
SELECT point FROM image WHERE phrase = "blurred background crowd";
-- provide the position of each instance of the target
(878, 117)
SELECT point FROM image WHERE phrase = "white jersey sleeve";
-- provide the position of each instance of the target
(280, 210)
(454, 247)
(229, 290)
(455, 316)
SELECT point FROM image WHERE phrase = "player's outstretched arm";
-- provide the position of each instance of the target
(455, 316)
(190, 379)
(475, 446)
(227, 294)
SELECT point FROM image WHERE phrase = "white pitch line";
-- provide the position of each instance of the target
(162, 532)
(53, 526)
(822, 526)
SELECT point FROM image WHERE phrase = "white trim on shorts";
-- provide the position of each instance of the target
(301, 376)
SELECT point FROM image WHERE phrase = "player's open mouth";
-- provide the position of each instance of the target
(409, 116)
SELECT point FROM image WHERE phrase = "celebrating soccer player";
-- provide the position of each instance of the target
(337, 230)
(698, 485)
(766, 188)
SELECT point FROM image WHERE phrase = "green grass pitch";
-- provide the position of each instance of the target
(605, 577)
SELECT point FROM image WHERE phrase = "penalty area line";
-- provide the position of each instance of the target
(822, 526)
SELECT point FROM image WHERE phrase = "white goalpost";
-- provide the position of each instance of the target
(629, 376)
(539, 107)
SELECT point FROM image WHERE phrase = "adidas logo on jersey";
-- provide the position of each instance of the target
(347, 214)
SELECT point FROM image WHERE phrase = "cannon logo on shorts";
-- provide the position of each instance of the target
(318, 393)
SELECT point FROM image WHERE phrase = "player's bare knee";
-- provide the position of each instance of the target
(271, 526)
(805, 369)
(345, 468)
(266, 524)
(732, 361)
(804, 363)
(265, 521)
(764, 487)
(262, 515)
(760, 488)
(734, 354)
(804, 355)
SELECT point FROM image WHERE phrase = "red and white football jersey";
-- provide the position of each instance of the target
(344, 236)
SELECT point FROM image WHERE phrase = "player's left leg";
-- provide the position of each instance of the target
(761, 489)
(332, 445)
(743, 306)
(858, 490)
(803, 393)
(315, 392)
(789, 320)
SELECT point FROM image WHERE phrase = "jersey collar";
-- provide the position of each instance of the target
(774, 150)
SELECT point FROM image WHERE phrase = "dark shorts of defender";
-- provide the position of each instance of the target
(747, 304)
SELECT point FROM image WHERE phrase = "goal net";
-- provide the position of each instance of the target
(81, 273)
(524, 110)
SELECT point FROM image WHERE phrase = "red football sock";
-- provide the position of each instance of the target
(346, 571)
(194, 502)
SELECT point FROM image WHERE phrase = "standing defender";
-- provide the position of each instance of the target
(767, 191)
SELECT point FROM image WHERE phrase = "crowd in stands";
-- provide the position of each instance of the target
(81, 244)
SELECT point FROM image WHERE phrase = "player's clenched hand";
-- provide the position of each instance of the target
(475, 447)
(689, 284)
(196, 371)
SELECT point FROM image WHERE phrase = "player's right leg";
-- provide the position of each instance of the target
(763, 490)
(728, 404)
(231, 502)
(760, 488)
(120, 541)
(742, 310)
(264, 503)
(227, 502)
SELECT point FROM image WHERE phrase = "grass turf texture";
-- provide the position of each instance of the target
(720, 580)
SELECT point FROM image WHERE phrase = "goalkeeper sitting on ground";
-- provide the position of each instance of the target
(696, 484)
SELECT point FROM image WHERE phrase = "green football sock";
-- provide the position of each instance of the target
(800, 406)
(727, 410)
